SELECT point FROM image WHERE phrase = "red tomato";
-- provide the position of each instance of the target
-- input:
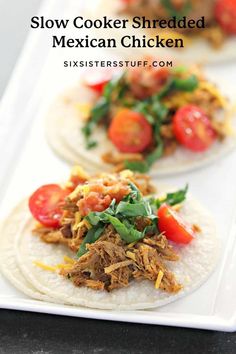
(101, 194)
(193, 129)
(97, 79)
(93, 202)
(173, 226)
(128, 1)
(130, 131)
(225, 13)
(46, 203)
(161, 74)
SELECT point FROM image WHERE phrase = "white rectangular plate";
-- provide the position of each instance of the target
(27, 162)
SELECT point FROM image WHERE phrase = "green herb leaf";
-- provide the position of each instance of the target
(174, 12)
(135, 192)
(155, 155)
(92, 235)
(114, 90)
(137, 166)
(173, 198)
(133, 209)
(159, 109)
(91, 144)
(128, 234)
(190, 84)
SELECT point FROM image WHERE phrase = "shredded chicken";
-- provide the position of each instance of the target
(110, 262)
(117, 158)
(73, 231)
(50, 235)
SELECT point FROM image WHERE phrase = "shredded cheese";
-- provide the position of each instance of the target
(131, 255)
(80, 172)
(45, 266)
(162, 197)
(80, 188)
(78, 218)
(159, 279)
(130, 245)
(63, 266)
(85, 223)
(214, 91)
(126, 173)
(177, 207)
(68, 265)
(115, 266)
(84, 109)
(69, 260)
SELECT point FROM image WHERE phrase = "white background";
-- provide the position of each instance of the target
(14, 25)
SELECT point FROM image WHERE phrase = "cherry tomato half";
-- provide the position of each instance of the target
(130, 131)
(128, 1)
(173, 226)
(96, 80)
(225, 13)
(46, 203)
(193, 129)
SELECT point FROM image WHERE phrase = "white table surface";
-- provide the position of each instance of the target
(15, 18)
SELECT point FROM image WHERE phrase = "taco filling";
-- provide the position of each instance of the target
(118, 230)
(149, 112)
(219, 15)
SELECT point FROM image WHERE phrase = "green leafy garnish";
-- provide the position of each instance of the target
(190, 84)
(122, 216)
(173, 198)
(92, 235)
(175, 13)
(114, 90)
(137, 166)
(154, 110)
(144, 166)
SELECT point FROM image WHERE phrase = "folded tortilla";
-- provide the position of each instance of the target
(63, 129)
(197, 261)
(9, 230)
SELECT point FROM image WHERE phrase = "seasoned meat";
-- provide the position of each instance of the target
(112, 263)
(106, 262)
(50, 235)
(109, 262)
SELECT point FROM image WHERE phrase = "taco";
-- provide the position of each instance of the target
(111, 241)
(213, 42)
(10, 268)
(166, 120)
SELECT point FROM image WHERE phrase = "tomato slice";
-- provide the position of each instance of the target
(173, 226)
(130, 131)
(128, 1)
(97, 79)
(193, 129)
(46, 204)
(225, 13)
